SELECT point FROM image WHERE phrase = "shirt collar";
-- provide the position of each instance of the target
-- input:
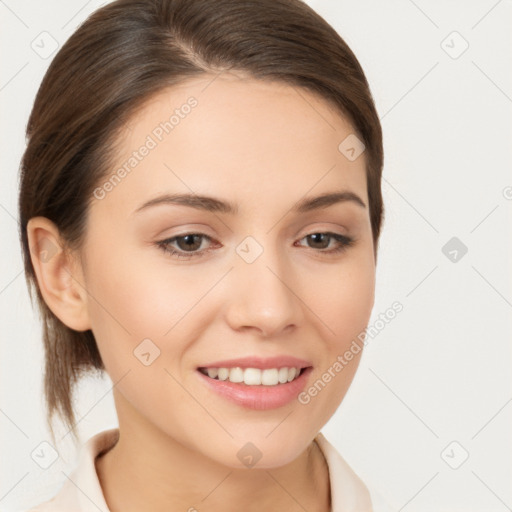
(348, 492)
(82, 490)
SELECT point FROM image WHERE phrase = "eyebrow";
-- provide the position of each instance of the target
(214, 205)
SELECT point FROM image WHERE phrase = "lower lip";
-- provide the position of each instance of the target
(258, 397)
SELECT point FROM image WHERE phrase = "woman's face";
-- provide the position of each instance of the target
(252, 283)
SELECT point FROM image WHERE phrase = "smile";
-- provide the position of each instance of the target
(254, 376)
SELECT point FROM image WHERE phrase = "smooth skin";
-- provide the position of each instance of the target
(264, 146)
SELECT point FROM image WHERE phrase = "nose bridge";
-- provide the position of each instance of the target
(262, 296)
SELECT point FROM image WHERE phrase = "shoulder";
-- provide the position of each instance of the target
(51, 505)
(348, 491)
(46, 506)
(81, 490)
(380, 503)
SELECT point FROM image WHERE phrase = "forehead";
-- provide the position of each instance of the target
(218, 134)
(235, 105)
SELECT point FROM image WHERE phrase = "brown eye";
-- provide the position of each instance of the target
(189, 242)
(187, 246)
(322, 240)
(319, 240)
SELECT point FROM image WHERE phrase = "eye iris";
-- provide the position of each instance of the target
(315, 237)
(189, 242)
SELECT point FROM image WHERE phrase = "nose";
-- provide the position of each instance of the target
(263, 296)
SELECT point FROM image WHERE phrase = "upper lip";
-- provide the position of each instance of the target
(260, 362)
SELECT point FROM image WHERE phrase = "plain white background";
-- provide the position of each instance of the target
(434, 384)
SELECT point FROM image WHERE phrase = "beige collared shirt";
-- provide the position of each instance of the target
(82, 491)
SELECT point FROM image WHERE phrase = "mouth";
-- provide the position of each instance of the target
(254, 376)
(256, 388)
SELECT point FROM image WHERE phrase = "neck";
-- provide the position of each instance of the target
(148, 470)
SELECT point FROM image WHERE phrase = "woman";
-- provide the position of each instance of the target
(200, 210)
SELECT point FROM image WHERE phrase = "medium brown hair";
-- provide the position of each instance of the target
(121, 56)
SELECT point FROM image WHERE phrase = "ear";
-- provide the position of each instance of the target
(59, 274)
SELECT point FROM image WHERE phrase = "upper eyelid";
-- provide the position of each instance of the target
(205, 235)
(349, 239)
(342, 230)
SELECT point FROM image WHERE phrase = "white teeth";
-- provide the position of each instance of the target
(270, 377)
(213, 372)
(236, 375)
(223, 373)
(254, 376)
(283, 375)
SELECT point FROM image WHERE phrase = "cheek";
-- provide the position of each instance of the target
(344, 307)
(345, 302)
(132, 300)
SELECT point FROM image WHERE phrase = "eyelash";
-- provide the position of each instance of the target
(344, 243)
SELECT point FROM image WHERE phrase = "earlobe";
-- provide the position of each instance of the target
(58, 274)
